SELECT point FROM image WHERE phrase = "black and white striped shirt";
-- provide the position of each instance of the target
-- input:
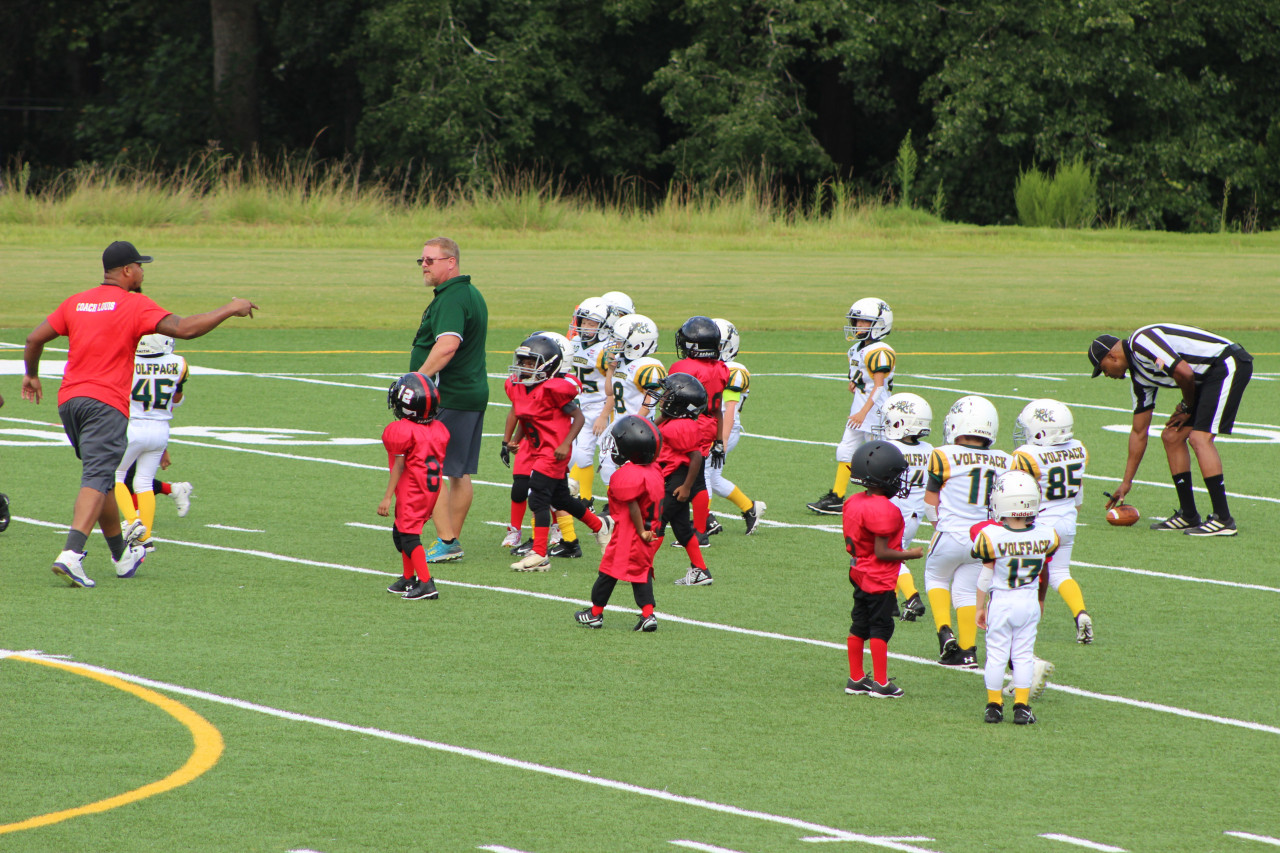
(1153, 351)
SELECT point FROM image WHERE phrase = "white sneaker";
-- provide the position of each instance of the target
(555, 537)
(605, 531)
(69, 564)
(181, 494)
(133, 532)
(532, 562)
(130, 560)
(1084, 628)
(1040, 675)
(695, 577)
(512, 539)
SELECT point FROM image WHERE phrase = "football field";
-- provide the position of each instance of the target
(255, 688)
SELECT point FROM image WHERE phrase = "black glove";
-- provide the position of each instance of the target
(505, 453)
(717, 454)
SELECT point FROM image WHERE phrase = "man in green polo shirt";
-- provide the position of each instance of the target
(449, 347)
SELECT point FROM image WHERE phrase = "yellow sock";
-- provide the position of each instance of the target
(1022, 695)
(940, 604)
(125, 501)
(1071, 594)
(586, 478)
(906, 585)
(566, 527)
(147, 511)
(995, 696)
(843, 472)
(967, 626)
(741, 501)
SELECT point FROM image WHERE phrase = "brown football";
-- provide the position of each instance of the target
(1123, 515)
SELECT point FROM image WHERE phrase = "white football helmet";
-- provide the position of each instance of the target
(592, 308)
(633, 336)
(907, 416)
(972, 415)
(1042, 423)
(154, 345)
(875, 310)
(729, 340)
(566, 350)
(1016, 494)
(619, 304)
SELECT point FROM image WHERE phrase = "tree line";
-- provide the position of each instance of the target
(1175, 105)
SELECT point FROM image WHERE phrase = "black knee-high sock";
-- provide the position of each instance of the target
(1186, 497)
(1217, 489)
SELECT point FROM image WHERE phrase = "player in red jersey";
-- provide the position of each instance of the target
(545, 408)
(635, 498)
(698, 341)
(415, 443)
(686, 438)
(873, 536)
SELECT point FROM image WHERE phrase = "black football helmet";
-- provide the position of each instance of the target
(635, 440)
(880, 465)
(415, 397)
(536, 360)
(681, 396)
(699, 337)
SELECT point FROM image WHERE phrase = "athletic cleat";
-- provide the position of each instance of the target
(400, 586)
(884, 691)
(1213, 526)
(1177, 521)
(828, 504)
(947, 640)
(69, 565)
(713, 525)
(149, 544)
(704, 540)
(4, 512)
(912, 608)
(860, 687)
(1039, 676)
(133, 532)
(532, 562)
(571, 550)
(422, 589)
(130, 560)
(525, 547)
(1022, 715)
(512, 539)
(752, 516)
(554, 535)
(969, 657)
(1084, 628)
(994, 713)
(695, 577)
(439, 552)
(182, 495)
(953, 657)
(1008, 688)
(589, 620)
(648, 624)
(605, 531)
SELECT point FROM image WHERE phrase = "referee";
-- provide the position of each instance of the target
(1211, 372)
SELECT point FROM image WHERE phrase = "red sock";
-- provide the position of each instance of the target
(408, 565)
(419, 560)
(856, 670)
(646, 611)
(133, 497)
(592, 521)
(701, 509)
(694, 550)
(517, 513)
(540, 535)
(880, 660)
(161, 488)
(596, 611)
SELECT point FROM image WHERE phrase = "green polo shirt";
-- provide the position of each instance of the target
(458, 308)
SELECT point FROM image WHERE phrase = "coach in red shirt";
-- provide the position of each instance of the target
(103, 326)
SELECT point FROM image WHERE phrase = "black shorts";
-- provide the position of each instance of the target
(462, 456)
(1218, 394)
(100, 435)
(874, 614)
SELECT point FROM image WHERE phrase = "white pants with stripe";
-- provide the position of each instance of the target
(1012, 617)
(147, 441)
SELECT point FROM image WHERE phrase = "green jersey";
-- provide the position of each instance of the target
(457, 309)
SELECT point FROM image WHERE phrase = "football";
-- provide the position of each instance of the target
(1123, 515)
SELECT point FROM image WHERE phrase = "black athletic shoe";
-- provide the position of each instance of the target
(648, 624)
(523, 548)
(884, 691)
(970, 656)
(1177, 521)
(422, 589)
(995, 713)
(401, 586)
(713, 526)
(565, 549)
(586, 619)
(828, 504)
(752, 516)
(4, 513)
(912, 608)
(947, 640)
(704, 540)
(862, 686)
(1213, 526)
(1022, 715)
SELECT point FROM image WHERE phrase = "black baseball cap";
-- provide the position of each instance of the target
(1098, 350)
(121, 254)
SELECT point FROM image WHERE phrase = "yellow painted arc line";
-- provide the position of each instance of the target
(208, 749)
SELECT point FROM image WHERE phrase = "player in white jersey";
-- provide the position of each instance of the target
(1049, 452)
(962, 473)
(634, 339)
(908, 418)
(592, 365)
(871, 366)
(1015, 551)
(732, 401)
(158, 379)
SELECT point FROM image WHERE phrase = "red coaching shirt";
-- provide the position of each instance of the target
(682, 436)
(712, 373)
(540, 410)
(103, 325)
(422, 446)
(866, 517)
(627, 557)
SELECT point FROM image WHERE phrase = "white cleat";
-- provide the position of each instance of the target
(130, 560)
(532, 562)
(605, 531)
(69, 564)
(181, 494)
(512, 539)
(1039, 677)
(133, 532)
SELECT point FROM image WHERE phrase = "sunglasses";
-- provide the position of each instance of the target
(430, 261)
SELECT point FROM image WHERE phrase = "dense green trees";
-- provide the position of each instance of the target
(1176, 106)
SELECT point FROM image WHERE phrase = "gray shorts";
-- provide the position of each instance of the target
(100, 435)
(465, 428)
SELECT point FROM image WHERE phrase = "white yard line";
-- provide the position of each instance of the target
(1249, 836)
(1082, 842)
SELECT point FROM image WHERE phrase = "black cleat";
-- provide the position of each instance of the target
(4, 512)
(422, 589)
(401, 586)
(912, 608)
(523, 548)
(586, 619)
(884, 691)
(1177, 521)
(648, 624)
(995, 713)
(860, 687)
(828, 504)
(970, 657)
(713, 526)
(752, 516)
(565, 549)
(1022, 715)
(1213, 526)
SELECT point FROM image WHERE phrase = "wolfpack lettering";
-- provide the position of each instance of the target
(1019, 549)
(151, 369)
(916, 460)
(979, 459)
(1051, 456)
(94, 307)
